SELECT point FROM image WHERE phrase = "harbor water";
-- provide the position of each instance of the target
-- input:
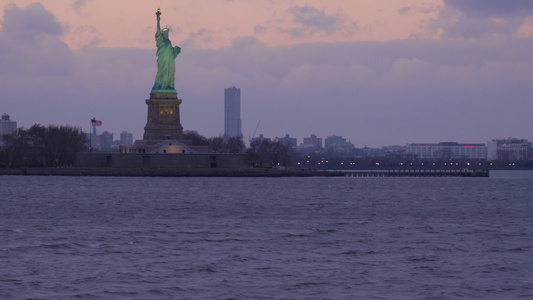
(267, 238)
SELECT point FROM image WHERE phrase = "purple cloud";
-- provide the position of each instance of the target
(27, 24)
(201, 34)
(315, 19)
(483, 18)
(404, 10)
(79, 4)
(491, 8)
(466, 27)
(30, 43)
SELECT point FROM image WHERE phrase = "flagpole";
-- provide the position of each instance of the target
(90, 137)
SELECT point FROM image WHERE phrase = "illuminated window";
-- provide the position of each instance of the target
(172, 110)
(161, 110)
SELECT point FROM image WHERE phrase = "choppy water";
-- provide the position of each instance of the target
(266, 238)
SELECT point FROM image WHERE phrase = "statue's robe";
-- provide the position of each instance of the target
(166, 67)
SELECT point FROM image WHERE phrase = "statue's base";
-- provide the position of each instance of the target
(163, 116)
(163, 94)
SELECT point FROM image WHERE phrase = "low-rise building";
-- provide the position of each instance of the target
(447, 150)
(509, 149)
(338, 143)
(287, 140)
(259, 139)
(312, 142)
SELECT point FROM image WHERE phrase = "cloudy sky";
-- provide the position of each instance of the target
(377, 72)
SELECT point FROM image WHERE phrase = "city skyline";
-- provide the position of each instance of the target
(126, 138)
(374, 72)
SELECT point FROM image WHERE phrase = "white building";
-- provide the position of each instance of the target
(232, 112)
(509, 149)
(7, 126)
(447, 150)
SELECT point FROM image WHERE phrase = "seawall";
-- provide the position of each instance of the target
(162, 172)
(237, 172)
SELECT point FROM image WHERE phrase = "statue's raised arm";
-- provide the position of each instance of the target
(166, 54)
(158, 14)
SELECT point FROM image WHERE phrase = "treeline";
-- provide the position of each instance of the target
(39, 146)
(56, 146)
(217, 144)
(264, 153)
(260, 153)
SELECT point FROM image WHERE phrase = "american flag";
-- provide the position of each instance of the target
(95, 122)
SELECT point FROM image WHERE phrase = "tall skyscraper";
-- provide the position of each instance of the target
(232, 112)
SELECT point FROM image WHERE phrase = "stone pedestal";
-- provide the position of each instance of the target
(163, 117)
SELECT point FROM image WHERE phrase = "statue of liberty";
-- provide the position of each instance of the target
(166, 54)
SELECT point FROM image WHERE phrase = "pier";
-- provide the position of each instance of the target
(418, 173)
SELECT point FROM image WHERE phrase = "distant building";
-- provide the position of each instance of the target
(260, 138)
(373, 152)
(447, 150)
(190, 132)
(313, 142)
(106, 140)
(338, 143)
(103, 142)
(510, 149)
(393, 151)
(232, 112)
(333, 140)
(126, 138)
(7, 126)
(287, 140)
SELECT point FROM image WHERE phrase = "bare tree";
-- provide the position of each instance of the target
(267, 153)
(216, 144)
(235, 145)
(197, 139)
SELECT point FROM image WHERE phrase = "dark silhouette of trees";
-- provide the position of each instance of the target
(39, 146)
(266, 153)
(197, 139)
(218, 144)
(234, 145)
